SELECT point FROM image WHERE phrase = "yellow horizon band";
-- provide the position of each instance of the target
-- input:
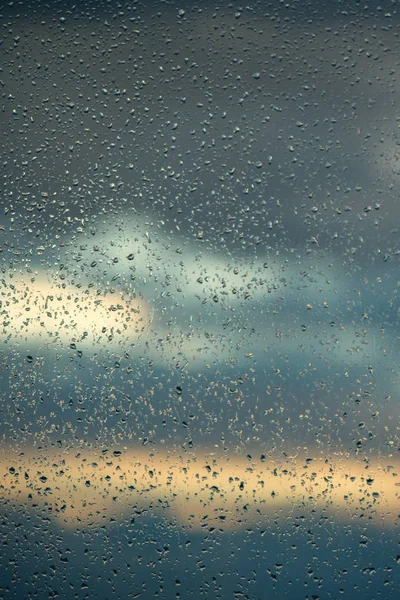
(204, 490)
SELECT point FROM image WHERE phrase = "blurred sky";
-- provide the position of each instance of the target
(209, 138)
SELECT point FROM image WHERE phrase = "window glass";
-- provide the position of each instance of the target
(199, 300)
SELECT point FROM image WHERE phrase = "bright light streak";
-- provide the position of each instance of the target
(39, 312)
(81, 488)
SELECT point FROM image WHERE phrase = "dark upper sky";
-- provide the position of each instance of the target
(266, 125)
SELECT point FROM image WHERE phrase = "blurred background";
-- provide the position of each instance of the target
(230, 172)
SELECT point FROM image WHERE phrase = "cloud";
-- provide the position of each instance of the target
(200, 490)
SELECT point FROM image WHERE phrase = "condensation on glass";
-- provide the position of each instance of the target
(199, 300)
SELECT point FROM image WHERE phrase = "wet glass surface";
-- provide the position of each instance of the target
(199, 300)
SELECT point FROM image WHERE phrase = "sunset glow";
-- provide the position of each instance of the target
(199, 490)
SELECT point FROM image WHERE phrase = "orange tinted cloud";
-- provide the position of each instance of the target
(43, 312)
(94, 487)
